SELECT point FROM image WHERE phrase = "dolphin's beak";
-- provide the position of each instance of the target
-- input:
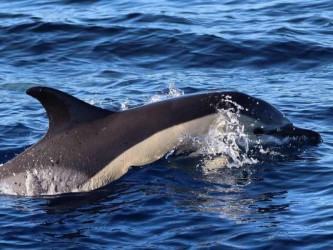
(299, 134)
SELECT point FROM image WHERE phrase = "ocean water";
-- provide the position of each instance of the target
(123, 54)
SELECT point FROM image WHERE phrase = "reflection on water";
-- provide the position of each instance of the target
(226, 194)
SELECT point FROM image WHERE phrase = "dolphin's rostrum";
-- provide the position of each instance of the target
(87, 147)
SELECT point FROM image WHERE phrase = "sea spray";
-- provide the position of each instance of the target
(170, 92)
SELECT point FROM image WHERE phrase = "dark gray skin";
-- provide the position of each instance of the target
(83, 139)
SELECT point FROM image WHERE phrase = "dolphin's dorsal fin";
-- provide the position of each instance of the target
(65, 111)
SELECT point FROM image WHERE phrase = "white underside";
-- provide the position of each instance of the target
(148, 151)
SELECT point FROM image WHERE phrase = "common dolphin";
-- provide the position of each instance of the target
(87, 147)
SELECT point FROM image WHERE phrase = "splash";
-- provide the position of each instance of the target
(226, 144)
(124, 105)
(95, 101)
(170, 92)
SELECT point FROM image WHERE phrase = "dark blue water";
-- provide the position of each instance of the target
(122, 53)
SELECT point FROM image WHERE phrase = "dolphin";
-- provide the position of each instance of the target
(87, 147)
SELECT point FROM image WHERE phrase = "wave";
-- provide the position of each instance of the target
(37, 41)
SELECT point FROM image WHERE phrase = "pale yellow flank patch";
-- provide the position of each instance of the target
(148, 151)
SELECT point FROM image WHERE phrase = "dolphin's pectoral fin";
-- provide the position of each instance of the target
(64, 110)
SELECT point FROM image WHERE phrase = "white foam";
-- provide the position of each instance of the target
(226, 144)
(171, 92)
(124, 105)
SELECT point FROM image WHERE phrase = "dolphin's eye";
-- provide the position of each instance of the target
(258, 131)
